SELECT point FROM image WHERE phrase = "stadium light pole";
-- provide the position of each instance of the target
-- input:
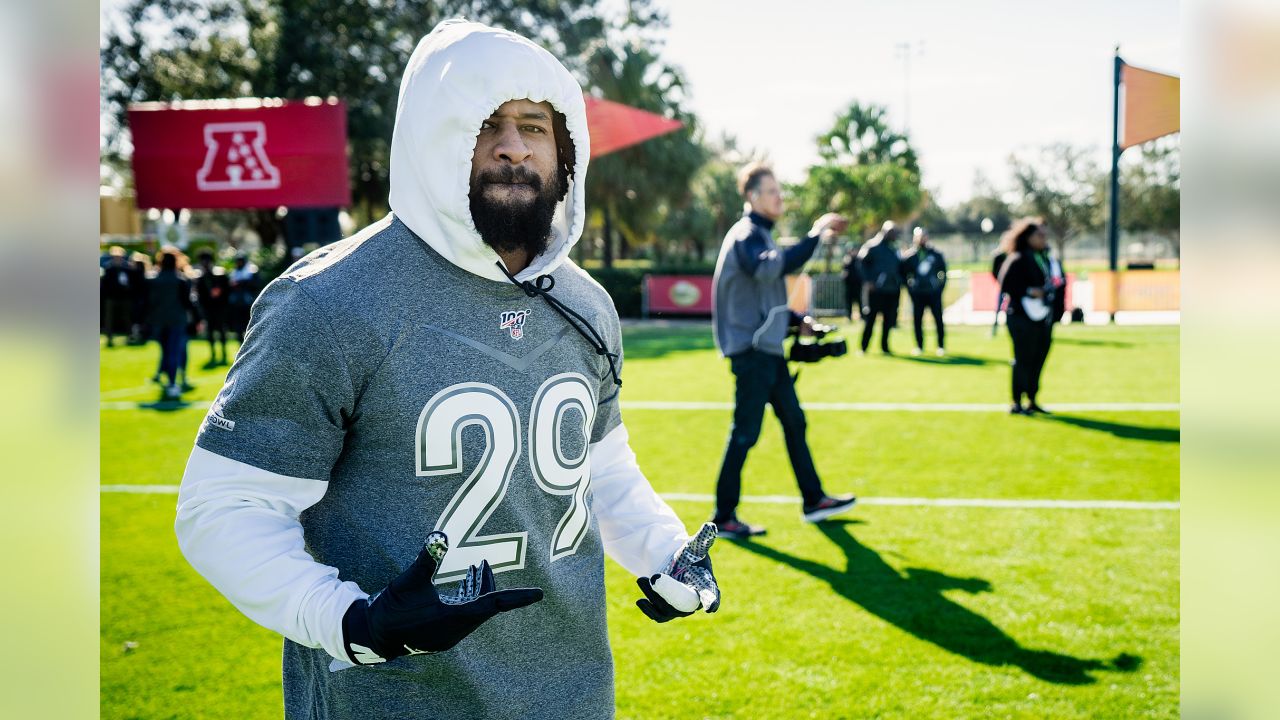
(903, 51)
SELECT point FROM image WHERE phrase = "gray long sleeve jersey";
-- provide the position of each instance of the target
(425, 397)
(749, 293)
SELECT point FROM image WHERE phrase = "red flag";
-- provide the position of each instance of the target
(614, 126)
(1150, 105)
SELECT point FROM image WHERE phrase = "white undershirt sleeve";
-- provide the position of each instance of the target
(638, 528)
(238, 527)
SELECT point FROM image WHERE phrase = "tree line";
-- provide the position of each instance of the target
(671, 198)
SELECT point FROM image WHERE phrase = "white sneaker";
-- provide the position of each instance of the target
(172, 392)
(940, 352)
(916, 352)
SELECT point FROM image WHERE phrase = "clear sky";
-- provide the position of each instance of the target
(987, 77)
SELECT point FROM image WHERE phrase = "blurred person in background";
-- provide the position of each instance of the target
(1026, 278)
(881, 271)
(1003, 249)
(139, 271)
(852, 278)
(115, 292)
(243, 291)
(213, 290)
(925, 271)
(751, 319)
(169, 306)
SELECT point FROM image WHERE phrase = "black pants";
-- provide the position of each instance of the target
(1031, 341)
(215, 322)
(762, 379)
(852, 299)
(933, 303)
(173, 346)
(886, 306)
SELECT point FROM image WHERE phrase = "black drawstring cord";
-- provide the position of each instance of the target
(536, 288)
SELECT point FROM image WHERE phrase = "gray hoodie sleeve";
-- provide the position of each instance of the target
(288, 395)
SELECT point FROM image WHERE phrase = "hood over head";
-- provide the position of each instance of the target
(456, 78)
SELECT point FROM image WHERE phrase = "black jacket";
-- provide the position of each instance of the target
(1020, 273)
(169, 300)
(879, 264)
(925, 271)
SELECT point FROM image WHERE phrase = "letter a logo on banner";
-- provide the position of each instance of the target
(236, 159)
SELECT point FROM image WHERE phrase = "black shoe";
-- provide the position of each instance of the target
(735, 529)
(827, 507)
(1016, 409)
(1034, 408)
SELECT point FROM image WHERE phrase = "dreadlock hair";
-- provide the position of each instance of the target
(566, 151)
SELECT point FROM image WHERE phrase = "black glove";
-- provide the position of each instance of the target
(410, 617)
(687, 583)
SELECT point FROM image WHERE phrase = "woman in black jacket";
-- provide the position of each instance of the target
(1025, 279)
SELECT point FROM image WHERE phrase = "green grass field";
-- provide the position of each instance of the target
(900, 611)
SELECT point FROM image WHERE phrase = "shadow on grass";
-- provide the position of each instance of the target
(1120, 430)
(648, 343)
(1092, 343)
(913, 601)
(164, 405)
(953, 360)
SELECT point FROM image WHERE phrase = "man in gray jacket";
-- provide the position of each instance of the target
(751, 318)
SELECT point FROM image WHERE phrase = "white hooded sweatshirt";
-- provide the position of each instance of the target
(450, 86)
(397, 383)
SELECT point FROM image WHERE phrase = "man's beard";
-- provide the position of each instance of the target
(512, 225)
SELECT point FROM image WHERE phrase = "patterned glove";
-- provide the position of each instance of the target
(686, 583)
(410, 617)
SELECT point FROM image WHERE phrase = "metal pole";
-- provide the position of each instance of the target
(1113, 222)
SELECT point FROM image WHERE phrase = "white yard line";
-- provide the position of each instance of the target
(956, 502)
(917, 407)
(126, 392)
(815, 407)
(792, 500)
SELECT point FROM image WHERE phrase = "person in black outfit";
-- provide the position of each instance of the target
(881, 271)
(1026, 279)
(213, 289)
(139, 270)
(852, 278)
(169, 306)
(116, 294)
(244, 290)
(925, 271)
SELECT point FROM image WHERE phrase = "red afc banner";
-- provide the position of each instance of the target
(246, 153)
(677, 294)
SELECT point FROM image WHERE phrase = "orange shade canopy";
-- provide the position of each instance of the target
(614, 126)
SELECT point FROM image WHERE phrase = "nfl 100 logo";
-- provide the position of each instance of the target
(513, 321)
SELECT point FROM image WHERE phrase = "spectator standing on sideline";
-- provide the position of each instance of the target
(116, 294)
(243, 291)
(213, 291)
(881, 271)
(751, 320)
(168, 306)
(925, 271)
(852, 282)
(139, 271)
(1026, 278)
